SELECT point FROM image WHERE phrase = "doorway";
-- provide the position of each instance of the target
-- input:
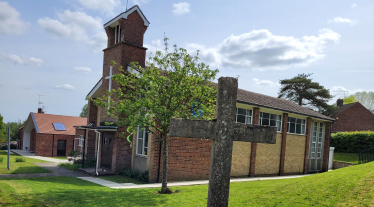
(107, 150)
(316, 147)
(61, 148)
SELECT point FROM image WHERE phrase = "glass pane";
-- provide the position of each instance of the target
(318, 155)
(319, 165)
(241, 111)
(298, 129)
(240, 118)
(110, 141)
(249, 112)
(292, 127)
(289, 119)
(265, 122)
(313, 149)
(279, 118)
(314, 139)
(273, 122)
(313, 144)
(321, 125)
(320, 138)
(279, 126)
(302, 129)
(140, 146)
(265, 115)
(273, 116)
(288, 127)
(146, 140)
(249, 120)
(292, 120)
(303, 122)
(298, 121)
(318, 149)
(140, 133)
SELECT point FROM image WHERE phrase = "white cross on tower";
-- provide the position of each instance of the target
(110, 82)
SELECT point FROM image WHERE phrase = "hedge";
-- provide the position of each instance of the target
(352, 142)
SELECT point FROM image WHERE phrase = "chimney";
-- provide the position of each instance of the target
(339, 102)
(40, 111)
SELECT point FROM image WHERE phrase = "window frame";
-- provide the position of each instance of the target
(143, 138)
(276, 119)
(302, 123)
(246, 115)
(80, 143)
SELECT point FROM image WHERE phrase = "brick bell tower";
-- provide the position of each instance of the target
(125, 45)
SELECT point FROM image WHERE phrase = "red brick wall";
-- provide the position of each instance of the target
(122, 152)
(91, 135)
(44, 144)
(326, 147)
(32, 140)
(355, 118)
(133, 29)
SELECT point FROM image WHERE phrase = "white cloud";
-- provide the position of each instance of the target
(265, 82)
(342, 20)
(10, 22)
(353, 5)
(82, 70)
(262, 50)
(103, 6)
(76, 26)
(65, 87)
(153, 47)
(181, 8)
(341, 91)
(31, 61)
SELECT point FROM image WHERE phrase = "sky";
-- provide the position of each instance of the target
(54, 48)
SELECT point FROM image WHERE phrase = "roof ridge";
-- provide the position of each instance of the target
(59, 115)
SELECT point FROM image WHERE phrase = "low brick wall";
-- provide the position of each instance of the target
(340, 164)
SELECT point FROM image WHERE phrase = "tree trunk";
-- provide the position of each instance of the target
(164, 188)
(300, 101)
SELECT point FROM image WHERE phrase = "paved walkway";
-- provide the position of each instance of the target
(114, 185)
(9, 152)
(29, 154)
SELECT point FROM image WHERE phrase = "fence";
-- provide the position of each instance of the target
(366, 155)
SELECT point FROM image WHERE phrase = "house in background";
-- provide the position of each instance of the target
(302, 143)
(352, 117)
(50, 135)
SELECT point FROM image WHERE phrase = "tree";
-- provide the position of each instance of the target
(3, 131)
(84, 111)
(303, 91)
(349, 99)
(14, 128)
(172, 85)
(366, 99)
(329, 110)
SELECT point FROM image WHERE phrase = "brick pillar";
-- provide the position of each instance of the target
(154, 152)
(256, 121)
(307, 143)
(283, 143)
(326, 148)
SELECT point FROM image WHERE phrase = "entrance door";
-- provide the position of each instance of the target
(316, 147)
(61, 148)
(107, 149)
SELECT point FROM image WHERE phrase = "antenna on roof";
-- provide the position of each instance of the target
(126, 4)
(343, 92)
(40, 103)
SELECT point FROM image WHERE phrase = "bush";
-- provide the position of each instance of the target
(20, 159)
(73, 167)
(1, 159)
(5, 147)
(352, 142)
(87, 163)
(139, 176)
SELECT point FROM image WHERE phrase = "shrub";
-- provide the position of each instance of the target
(87, 162)
(5, 147)
(139, 176)
(1, 159)
(73, 167)
(20, 159)
(352, 142)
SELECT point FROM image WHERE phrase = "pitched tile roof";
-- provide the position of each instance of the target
(276, 103)
(44, 123)
(343, 108)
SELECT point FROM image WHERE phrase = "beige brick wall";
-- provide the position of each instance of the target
(268, 157)
(295, 149)
(241, 157)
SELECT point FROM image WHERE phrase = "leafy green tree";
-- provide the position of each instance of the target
(14, 128)
(84, 111)
(349, 99)
(3, 131)
(172, 85)
(329, 110)
(366, 98)
(302, 90)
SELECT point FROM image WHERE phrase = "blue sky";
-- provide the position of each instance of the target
(54, 48)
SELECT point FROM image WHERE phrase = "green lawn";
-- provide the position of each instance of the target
(20, 167)
(346, 157)
(352, 186)
(60, 158)
(120, 179)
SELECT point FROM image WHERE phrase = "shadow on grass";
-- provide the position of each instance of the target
(30, 169)
(70, 191)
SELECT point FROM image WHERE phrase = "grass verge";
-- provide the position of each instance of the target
(25, 167)
(346, 157)
(352, 186)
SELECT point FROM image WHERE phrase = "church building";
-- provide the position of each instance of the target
(302, 142)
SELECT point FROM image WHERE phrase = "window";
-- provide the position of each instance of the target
(117, 34)
(80, 144)
(271, 120)
(59, 126)
(296, 126)
(244, 116)
(141, 142)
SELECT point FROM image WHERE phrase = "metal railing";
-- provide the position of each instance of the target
(366, 155)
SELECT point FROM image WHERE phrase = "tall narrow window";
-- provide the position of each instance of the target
(268, 119)
(244, 115)
(296, 126)
(142, 142)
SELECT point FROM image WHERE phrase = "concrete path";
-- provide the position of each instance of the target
(52, 166)
(9, 152)
(26, 153)
(113, 185)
